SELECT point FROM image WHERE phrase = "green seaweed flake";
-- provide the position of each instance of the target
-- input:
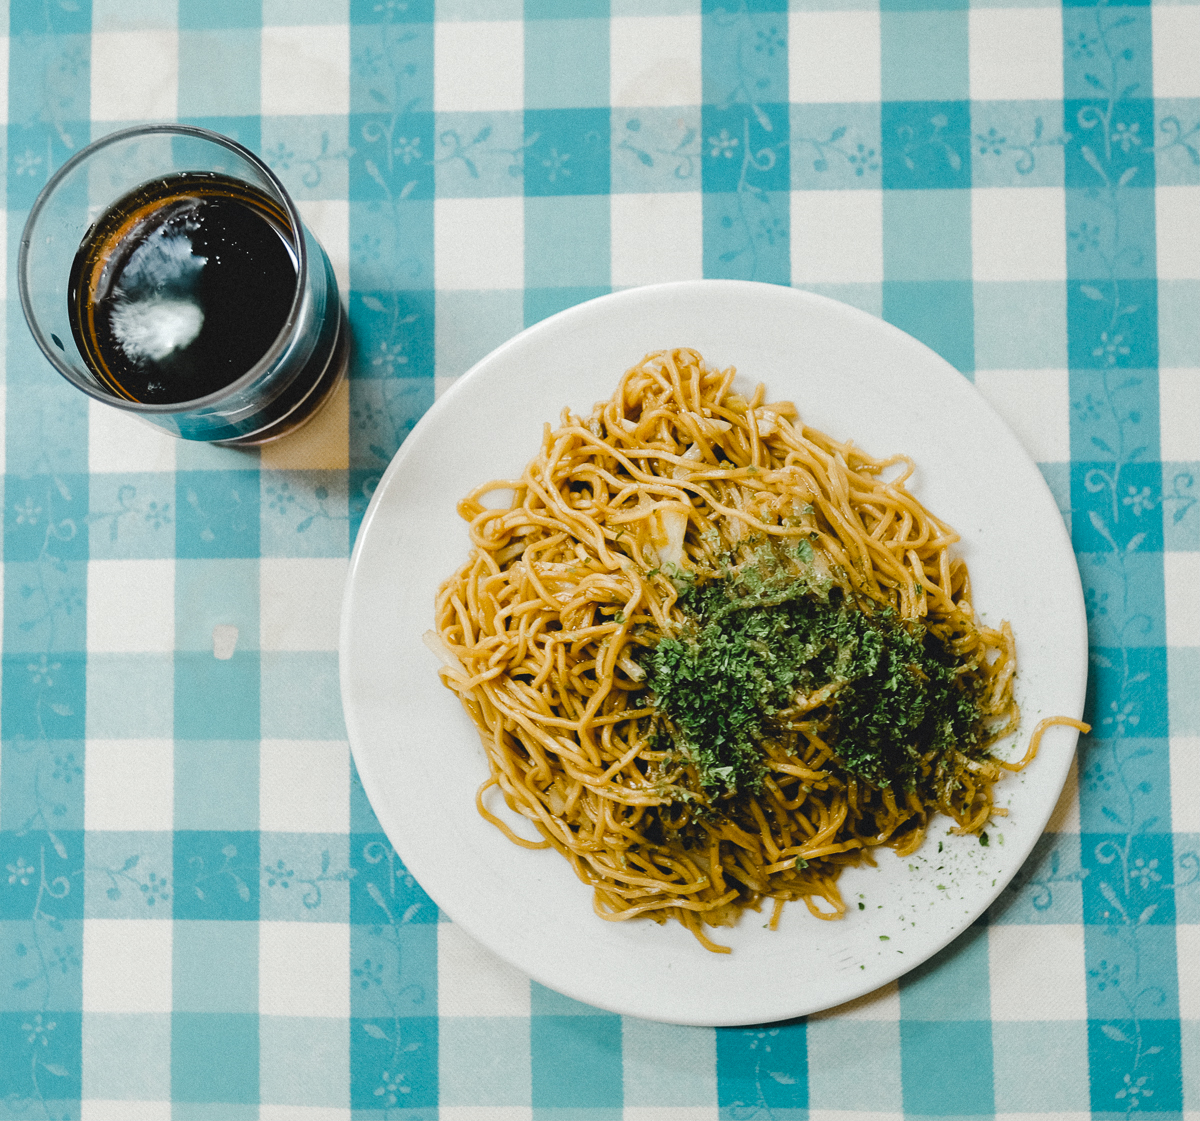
(757, 637)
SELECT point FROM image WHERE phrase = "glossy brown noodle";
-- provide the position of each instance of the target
(537, 632)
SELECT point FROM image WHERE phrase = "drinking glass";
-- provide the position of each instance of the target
(279, 392)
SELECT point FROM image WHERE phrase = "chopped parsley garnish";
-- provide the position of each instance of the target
(759, 636)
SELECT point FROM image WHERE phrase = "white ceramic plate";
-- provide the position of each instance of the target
(419, 755)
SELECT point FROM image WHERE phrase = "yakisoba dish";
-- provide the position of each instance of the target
(715, 655)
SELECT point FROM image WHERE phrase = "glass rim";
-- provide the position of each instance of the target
(272, 353)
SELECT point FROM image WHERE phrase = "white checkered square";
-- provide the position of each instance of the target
(833, 56)
(1179, 413)
(130, 785)
(1015, 54)
(1181, 585)
(853, 1115)
(1185, 776)
(131, 606)
(1018, 233)
(673, 1112)
(304, 786)
(308, 1113)
(98, 1109)
(305, 70)
(478, 66)
(487, 1112)
(1036, 405)
(1177, 231)
(119, 442)
(882, 1004)
(126, 965)
(479, 243)
(1064, 818)
(1037, 972)
(1187, 957)
(837, 236)
(656, 237)
(303, 969)
(135, 75)
(472, 982)
(133, 15)
(654, 60)
(300, 602)
(1175, 33)
(1056, 1115)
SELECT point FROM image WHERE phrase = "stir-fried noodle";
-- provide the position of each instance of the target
(580, 636)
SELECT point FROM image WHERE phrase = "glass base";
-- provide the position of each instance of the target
(308, 406)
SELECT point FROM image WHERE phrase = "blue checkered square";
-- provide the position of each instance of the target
(216, 875)
(309, 154)
(382, 890)
(214, 1057)
(131, 516)
(41, 1050)
(1116, 1084)
(304, 514)
(306, 877)
(567, 239)
(216, 514)
(44, 696)
(1017, 144)
(40, 964)
(576, 1062)
(1178, 327)
(127, 1056)
(924, 54)
(745, 52)
(938, 312)
(742, 1055)
(216, 784)
(835, 147)
(391, 157)
(1125, 881)
(394, 1063)
(217, 699)
(926, 144)
(1127, 691)
(233, 51)
(393, 331)
(215, 966)
(127, 875)
(1183, 702)
(391, 252)
(567, 152)
(566, 63)
(746, 236)
(927, 235)
(479, 155)
(129, 696)
(933, 1087)
(656, 149)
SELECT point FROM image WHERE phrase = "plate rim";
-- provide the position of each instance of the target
(463, 385)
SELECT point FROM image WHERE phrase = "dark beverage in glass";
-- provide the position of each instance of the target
(196, 299)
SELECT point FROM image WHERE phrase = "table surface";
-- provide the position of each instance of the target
(199, 915)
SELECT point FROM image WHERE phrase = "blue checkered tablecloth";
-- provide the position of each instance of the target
(200, 917)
